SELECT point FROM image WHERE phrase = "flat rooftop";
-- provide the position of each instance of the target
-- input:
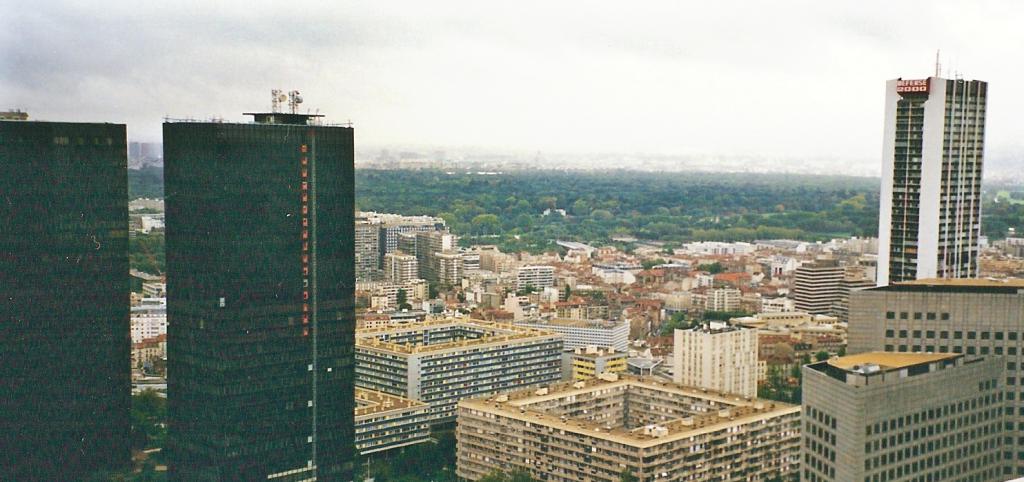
(546, 407)
(370, 402)
(959, 285)
(599, 353)
(575, 323)
(1019, 283)
(474, 333)
(888, 361)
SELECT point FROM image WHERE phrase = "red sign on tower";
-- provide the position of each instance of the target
(919, 86)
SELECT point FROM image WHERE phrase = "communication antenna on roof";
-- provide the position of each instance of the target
(938, 66)
(294, 99)
(276, 98)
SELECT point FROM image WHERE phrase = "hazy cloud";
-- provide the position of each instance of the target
(789, 78)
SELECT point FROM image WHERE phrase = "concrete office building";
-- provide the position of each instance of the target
(903, 417)
(154, 289)
(817, 286)
(442, 362)
(65, 351)
(448, 268)
(593, 361)
(596, 430)
(384, 422)
(841, 307)
(717, 356)
(470, 261)
(367, 247)
(584, 333)
(261, 309)
(723, 299)
(536, 277)
(384, 294)
(932, 154)
(429, 246)
(392, 225)
(974, 317)
(400, 267)
(149, 319)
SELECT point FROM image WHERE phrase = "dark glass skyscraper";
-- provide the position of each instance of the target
(65, 359)
(260, 283)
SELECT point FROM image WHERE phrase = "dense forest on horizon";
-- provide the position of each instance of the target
(507, 208)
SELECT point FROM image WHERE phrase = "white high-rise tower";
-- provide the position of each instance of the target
(930, 215)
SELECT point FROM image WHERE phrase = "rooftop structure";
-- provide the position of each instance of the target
(597, 429)
(14, 115)
(960, 284)
(886, 361)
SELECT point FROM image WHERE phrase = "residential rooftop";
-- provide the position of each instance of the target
(548, 407)
(597, 352)
(414, 337)
(888, 361)
(575, 323)
(873, 368)
(371, 402)
(958, 285)
(715, 327)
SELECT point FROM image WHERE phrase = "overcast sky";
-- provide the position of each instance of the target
(801, 79)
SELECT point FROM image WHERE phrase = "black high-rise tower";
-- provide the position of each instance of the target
(260, 286)
(65, 347)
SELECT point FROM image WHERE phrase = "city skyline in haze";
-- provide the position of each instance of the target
(794, 80)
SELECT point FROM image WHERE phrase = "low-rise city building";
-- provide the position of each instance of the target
(149, 350)
(583, 333)
(535, 277)
(441, 362)
(148, 319)
(603, 428)
(384, 421)
(593, 361)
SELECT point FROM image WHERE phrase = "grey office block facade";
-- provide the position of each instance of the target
(969, 316)
(912, 417)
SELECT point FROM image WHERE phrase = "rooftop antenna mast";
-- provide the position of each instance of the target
(938, 66)
(294, 99)
(276, 98)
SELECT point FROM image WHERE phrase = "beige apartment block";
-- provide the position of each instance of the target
(912, 417)
(717, 356)
(596, 430)
(384, 421)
